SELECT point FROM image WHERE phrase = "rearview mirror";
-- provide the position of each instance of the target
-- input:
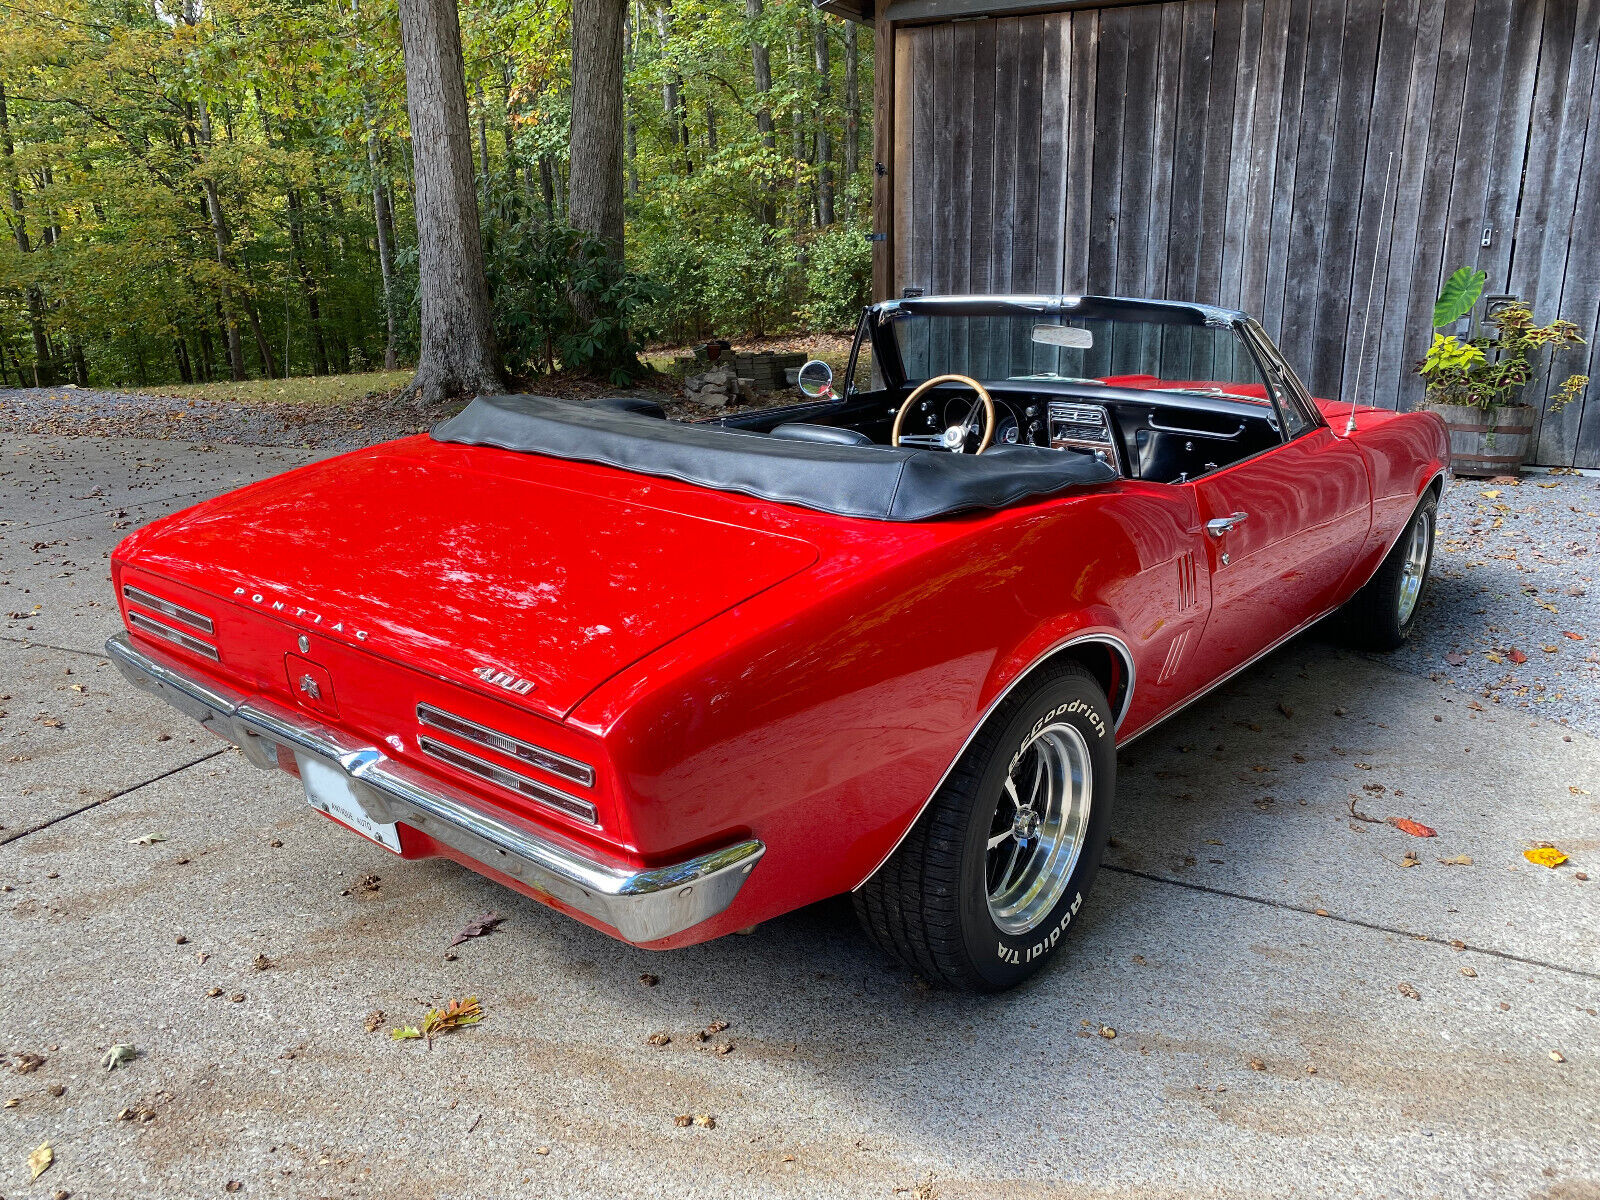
(816, 380)
(1068, 336)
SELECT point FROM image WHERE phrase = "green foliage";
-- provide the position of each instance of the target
(1489, 371)
(559, 299)
(839, 278)
(1460, 293)
(108, 105)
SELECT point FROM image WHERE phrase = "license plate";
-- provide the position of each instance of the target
(328, 790)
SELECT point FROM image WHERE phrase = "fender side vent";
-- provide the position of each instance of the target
(1169, 668)
(1188, 592)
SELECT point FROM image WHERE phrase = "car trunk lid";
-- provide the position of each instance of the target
(496, 578)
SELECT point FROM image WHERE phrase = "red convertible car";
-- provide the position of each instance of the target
(676, 679)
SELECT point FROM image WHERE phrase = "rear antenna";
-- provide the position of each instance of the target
(1372, 284)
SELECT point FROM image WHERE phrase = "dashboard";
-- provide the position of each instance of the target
(1161, 435)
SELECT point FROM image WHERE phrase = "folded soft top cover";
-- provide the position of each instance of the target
(878, 482)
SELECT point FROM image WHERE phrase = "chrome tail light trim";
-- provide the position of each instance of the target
(194, 620)
(490, 739)
(542, 793)
(643, 904)
(177, 637)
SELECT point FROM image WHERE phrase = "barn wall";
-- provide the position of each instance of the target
(1319, 163)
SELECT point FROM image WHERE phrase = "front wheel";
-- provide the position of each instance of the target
(986, 885)
(1382, 614)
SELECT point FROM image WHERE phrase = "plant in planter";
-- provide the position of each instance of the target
(1476, 383)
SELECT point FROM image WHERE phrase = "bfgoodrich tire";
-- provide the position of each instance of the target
(1383, 613)
(984, 889)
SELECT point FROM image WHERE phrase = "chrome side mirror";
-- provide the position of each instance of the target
(816, 380)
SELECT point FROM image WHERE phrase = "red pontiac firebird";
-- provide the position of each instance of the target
(675, 679)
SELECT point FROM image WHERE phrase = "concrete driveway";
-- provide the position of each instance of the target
(1302, 1002)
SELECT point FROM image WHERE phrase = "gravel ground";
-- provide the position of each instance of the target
(1513, 612)
(1513, 609)
(82, 412)
(87, 413)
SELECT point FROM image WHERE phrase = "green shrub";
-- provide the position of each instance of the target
(838, 278)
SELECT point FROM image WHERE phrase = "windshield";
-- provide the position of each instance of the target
(1151, 350)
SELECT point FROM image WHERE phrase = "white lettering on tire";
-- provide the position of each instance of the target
(1045, 944)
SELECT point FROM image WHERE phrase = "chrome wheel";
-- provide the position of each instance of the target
(1038, 829)
(1415, 567)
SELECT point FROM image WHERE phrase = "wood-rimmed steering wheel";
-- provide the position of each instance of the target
(955, 438)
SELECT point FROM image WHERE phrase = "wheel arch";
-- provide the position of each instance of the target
(1104, 654)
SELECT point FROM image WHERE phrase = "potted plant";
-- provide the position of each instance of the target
(1476, 384)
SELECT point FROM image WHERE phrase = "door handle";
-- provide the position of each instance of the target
(1221, 525)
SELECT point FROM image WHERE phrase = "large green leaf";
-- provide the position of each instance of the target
(1461, 292)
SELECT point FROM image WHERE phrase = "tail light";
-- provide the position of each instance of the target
(147, 624)
(524, 753)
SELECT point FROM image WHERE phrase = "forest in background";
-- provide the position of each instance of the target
(224, 189)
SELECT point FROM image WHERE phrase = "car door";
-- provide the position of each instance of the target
(1282, 528)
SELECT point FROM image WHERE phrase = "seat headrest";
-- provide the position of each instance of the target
(829, 435)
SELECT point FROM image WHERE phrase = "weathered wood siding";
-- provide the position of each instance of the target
(1239, 152)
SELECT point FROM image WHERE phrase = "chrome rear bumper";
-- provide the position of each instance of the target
(641, 905)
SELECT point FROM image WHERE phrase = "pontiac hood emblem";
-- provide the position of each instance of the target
(504, 679)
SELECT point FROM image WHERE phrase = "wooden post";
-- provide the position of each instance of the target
(882, 154)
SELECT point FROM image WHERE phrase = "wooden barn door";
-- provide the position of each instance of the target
(1238, 152)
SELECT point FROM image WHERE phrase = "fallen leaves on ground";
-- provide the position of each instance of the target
(39, 1161)
(1460, 860)
(27, 1064)
(1545, 856)
(374, 1019)
(703, 1120)
(149, 839)
(659, 1039)
(1455, 659)
(477, 927)
(1567, 633)
(436, 1021)
(1414, 828)
(1516, 656)
(117, 1055)
(1409, 991)
(1411, 859)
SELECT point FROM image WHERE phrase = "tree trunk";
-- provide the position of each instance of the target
(596, 148)
(483, 141)
(819, 43)
(263, 350)
(297, 251)
(458, 355)
(630, 129)
(852, 105)
(761, 66)
(43, 372)
(595, 155)
(507, 74)
(219, 230)
(181, 353)
(547, 185)
(383, 218)
(80, 366)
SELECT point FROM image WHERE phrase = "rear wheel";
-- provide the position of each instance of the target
(986, 885)
(1382, 614)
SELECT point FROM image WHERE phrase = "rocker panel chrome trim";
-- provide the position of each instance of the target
(642, 905)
